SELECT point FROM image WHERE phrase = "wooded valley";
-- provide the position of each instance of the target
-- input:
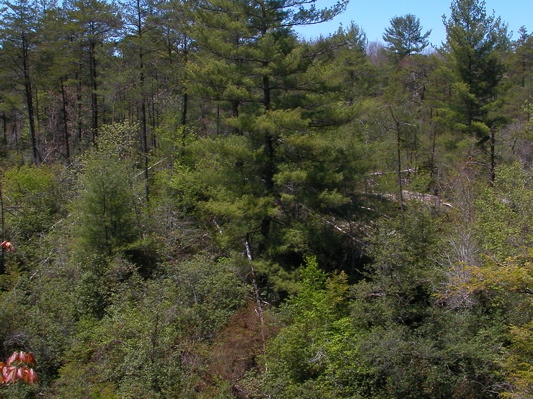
(202, 204)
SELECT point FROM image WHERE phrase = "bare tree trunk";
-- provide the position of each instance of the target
(492, 155)
(65, 121)
(184, 109)
(144, 123)
(4, 127)
(79, 113)
(94, 88)
(397, 128)
(185, 98)
(258, 301)
(29, 99)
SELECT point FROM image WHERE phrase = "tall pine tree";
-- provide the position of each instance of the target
(19, 39)
(269, 161)
(474, 44)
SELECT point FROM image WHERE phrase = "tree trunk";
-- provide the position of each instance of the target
(79, 111)
(94, 87)
(65, 121)
(29, 99)
(144, 123)
(492, 156)
(397, 128)
(4, 127)
(270, 166)
(185, 100)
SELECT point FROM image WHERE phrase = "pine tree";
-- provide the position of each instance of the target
(19, 34)
(95, 23)
(141, 46)
(55, 76)
(474, 44)
(404, 36)
(523, 64)
(177, 18)
(271, 157)
(108, 201)
(519, 64)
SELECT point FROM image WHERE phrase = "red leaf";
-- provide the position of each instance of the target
(21, 372)
(7, 245)
(13, 358)
(11, 375)
(25, 374)
(30, 359)
(32, 377)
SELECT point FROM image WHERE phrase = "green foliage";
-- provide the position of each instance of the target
(405, 36)
(504, 213)
(519, 363)
(149, 342)
(33, 198)
(401, 339)
(309, 175)
(474, 42)
(402, 249)
(506, 288)
(107, 218)
(214, 129)
(305, 354)
(34, 203)
(108, 205)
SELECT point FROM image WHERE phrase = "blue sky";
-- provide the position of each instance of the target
(373, 16)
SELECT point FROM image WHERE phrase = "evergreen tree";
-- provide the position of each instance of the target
(474, 44)
(267, 162)
(19, 39)
(141, 46)
(107, 200)
(95, 23)
(523, 59)
(474, 41)
(519, 64)
(404, 36)
(341, 59)
(11, 104)
(177, 18)
(56, 75)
